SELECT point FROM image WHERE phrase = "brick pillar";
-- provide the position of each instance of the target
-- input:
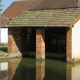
(10, 40)
(40, 70)
(40, 43)
(69, 45)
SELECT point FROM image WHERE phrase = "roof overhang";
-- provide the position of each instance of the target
(4, 21)
(46, 18)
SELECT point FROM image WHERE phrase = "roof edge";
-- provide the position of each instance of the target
(75, 21)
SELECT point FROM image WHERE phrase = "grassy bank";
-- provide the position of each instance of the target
(3, 47)
(3, 44)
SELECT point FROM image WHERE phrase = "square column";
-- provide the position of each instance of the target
(10, 40)
(40, 43)
(69, 45)
(14, 41)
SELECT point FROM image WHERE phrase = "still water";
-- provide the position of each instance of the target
(30, 69)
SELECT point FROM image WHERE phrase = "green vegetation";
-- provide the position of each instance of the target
(0, 0)
(3, 44)
(3, 47)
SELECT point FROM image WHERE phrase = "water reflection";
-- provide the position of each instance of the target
(73, 71)
(8, 68)
(25, 70)
(40, 70)
(30, 69)
(12, 67)
(4, 71)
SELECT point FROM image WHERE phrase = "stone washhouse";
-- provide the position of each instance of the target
(44, 27)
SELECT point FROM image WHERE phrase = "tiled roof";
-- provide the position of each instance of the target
(4, 21)
(51, 4)
(46, 18)
(18, 6)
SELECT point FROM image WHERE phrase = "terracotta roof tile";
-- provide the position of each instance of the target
(51, 4)
(18, 6)
(46, 18)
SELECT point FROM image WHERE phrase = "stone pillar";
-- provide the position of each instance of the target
(40, 70)
(10, 40)
(40, 43)
(69, 45)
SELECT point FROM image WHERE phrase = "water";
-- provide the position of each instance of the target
(30, 69)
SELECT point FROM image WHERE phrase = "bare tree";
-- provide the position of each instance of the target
(0, 19)
(0, 5)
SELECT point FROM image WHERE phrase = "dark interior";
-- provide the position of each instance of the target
(55, 40)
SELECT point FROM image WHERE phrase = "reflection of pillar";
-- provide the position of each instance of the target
(68, 72)
(40, 43)
(10, 40)
(40, 70)
(73, 71)
(69, 45)
(12, 67)
(11, 70)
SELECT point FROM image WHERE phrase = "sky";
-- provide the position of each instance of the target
(4, 37)
(6, 4)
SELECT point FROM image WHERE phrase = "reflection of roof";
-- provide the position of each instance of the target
(18, 6)
(51, 4)
(43, 18)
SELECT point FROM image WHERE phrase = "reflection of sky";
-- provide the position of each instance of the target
(4, 66)
(4, 78)
(4, 71)
(6, 3)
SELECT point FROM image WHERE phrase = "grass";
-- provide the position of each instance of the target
(3, 44)
(3, 47)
